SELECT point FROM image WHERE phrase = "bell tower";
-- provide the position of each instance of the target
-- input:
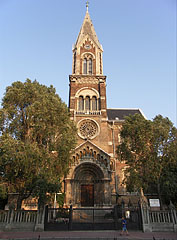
(87, 95)
(90, 171)
(95, 176)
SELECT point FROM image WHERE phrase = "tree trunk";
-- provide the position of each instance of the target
(41, 204)
(19, 202)
(159, 195)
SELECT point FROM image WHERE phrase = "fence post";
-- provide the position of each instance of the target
(116, 217)
(174, 216)
(11, 216)
(10, 220)
(174, 219)
(145, 217)
(70, 217)
(93, 218)
(40, 219)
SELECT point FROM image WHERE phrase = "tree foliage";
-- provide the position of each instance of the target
(149, 149)
(36, 139)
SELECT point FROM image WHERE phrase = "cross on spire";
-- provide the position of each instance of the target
(87, 5)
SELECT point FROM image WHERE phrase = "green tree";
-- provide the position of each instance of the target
(149, 149)
(36, 139)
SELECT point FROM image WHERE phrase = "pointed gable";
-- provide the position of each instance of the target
(89, 152)
(89, 144)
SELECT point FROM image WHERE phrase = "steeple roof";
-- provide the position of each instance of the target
(87, 29)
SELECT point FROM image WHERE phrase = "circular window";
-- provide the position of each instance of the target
(87, 128)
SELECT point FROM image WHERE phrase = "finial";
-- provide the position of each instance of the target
(87, 5)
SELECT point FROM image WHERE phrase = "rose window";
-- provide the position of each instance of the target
(88, 129)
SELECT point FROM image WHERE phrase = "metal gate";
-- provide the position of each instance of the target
(92, 218)
(132, 215)
(56, 219)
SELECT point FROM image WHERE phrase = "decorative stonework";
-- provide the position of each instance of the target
(87, 79)
(88, 129)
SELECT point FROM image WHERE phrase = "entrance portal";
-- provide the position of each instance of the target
(89, 186)
(87, 195)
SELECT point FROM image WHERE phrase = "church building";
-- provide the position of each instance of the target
(95, 176)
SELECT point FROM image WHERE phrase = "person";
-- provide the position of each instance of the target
(124, 226)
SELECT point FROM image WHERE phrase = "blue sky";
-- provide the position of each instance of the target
(138, 38)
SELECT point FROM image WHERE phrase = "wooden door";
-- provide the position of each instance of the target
(87, 195)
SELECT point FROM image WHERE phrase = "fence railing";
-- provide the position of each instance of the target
(7, 216)
(158, 220)
(24, 216)
(160, 217)
(4, 216)
(21, 219)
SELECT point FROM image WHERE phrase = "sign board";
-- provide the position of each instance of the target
(154, 202)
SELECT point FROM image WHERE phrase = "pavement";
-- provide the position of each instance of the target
(87, 235)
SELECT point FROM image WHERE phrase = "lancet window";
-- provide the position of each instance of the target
(90, 66)
(81, 103)
(87, 64)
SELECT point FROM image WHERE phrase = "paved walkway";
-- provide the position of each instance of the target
(87, 235)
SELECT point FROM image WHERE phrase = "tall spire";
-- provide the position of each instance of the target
(87, 29)
(87, 51)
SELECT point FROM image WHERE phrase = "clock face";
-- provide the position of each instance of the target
(87, 46)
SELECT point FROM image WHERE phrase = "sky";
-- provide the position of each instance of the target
(138, 38)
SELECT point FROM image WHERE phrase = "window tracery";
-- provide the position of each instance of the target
(87, 129)
(87, 64)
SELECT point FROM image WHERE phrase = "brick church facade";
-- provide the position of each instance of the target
(95, 176)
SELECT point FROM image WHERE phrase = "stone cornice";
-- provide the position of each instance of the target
(93, 79)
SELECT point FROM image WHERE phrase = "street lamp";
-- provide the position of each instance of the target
(55, 203)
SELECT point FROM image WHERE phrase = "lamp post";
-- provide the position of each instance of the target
(55, 203)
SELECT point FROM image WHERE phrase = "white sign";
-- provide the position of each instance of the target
(154, 202)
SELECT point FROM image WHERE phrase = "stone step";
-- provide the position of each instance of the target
(99, 238)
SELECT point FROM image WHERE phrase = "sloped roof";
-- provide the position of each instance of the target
(120, 114)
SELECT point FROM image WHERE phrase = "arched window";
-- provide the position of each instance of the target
(94, 103)
(90, 66)
(87, 103)
(81, 103)
(85, 65)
